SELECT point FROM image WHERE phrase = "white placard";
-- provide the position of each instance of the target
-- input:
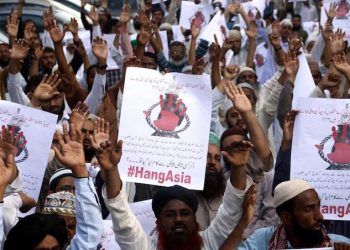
(218, 27)
(304, 82)
(164, 38)
(143, 212)
(165, 142)
(321, 152)
(190, 11)
(84, 36)
(38, 128)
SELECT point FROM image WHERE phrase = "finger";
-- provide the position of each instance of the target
(119, 146)
(106, 128)
(60, 139)
(72, 132)
(79, 135)
(58, 153)
(65, 133)
(216, 39)
(10, 160)
(98, 125)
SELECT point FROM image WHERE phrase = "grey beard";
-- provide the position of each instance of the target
(178, 63)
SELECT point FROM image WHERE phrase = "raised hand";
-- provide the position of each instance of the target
(291, 65)
(275, 40)
(233, 8)
(329, 81)
(239, 99)
(109, 155)
(12, 25)
(237, 154)
(72, 26)
(252, 30)
(295, 43)
(48, 17)
(327, 31)
(125, 15)
(70, 152)
(195, 31)
(276, 27)
(337, 42)
(100, 48)
(55, 32)
(231, 72)
(79, 115)
(93, 15)
(19, 49)
(332, 12)
(131, 62)
(340, 63)
(249, 204)
(288, 126)
(29, 32)
(143, 37)
(80, 48)
(10, 144)
(101, 133)
(38, 50)
(214, 49)
(47, 88)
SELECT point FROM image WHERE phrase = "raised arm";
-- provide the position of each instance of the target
(192, 50)
(256, 133)
(252, 34)
(128, 231)
(88, 215)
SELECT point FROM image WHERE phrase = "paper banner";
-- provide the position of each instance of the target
(321, 152)
(304, 83)
(216, 26)
(38, 128)
(189, 11)
(165, 127)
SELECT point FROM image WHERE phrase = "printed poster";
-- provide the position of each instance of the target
(36, 128)
(165, 128)
(200, 13)
(321, 152)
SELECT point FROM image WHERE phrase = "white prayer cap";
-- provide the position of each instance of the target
(165, 26)
(247, 86)
(288, 190)
(235, 34)
(227, 105)
(286, 22)
(245, 68)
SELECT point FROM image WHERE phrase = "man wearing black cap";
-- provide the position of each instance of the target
(174, 207)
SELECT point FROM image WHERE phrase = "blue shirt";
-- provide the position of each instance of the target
(260, 239)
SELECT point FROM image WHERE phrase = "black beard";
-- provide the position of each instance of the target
(310, 238)
(214, 186)
(89, 154)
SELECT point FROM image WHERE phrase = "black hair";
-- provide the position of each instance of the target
(287, 206)
(32, 83)
(297, 16)
(32, 229)
(151, 55)
(177, 43)
(48, 49)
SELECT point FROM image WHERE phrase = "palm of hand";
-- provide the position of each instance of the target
(18, 52)
(56, 34)
(94, 16)
(109, 158)
(99, 138)
(73, 154)
(7, 148)
(239, 157)
(73, 27)
(77, 119)
(337, 45)
(6, 172)
(342, 67)
(292, 67)
(124, 17)
(143, 38)
(12, 29)
(100, 51)
(252, 32)
(44, 91)
(242, 103)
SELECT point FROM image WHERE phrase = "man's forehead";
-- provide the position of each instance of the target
(175, 205)
(307, 198)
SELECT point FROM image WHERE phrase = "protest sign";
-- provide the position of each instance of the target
(321, 152)
(164, 38)
(304, 82)
(38, 128)
(144, 214)
(342, 18)
(200, 13)
(165, 127)
(218, 27)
